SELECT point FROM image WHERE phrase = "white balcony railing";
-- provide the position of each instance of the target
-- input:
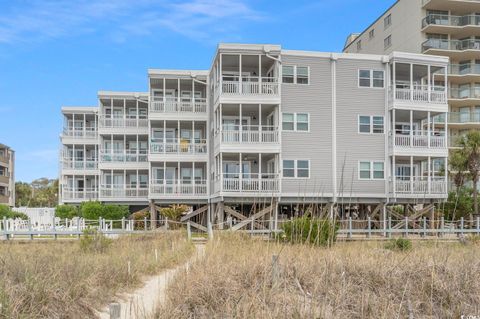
(108, 122)
(182, 147)
(174, 105)
(249, 86)
(69, 193)
(420, 185)
(87, 133)
(451, 20)
(420, 139)
(123, 191)
(464, 68)
(178, 188)
(465, 93)
(123, 156)
(265, 183)
(420, 93)
(249, 134)
(79, 164)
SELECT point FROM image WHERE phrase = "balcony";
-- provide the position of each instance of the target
(128, 156)
(464, 118)
(419, 93)
(182, 147)
(5, 179)
(419, 185)
(123, 192)
(121, 124)
(249, 134)
(176, 188)
(175, 105)
(80, 133)
(420, 139)
(79, 164)
(455, 49)
(249, 86)
(251, 183)
(465, 93)
(463, 6)
(460, 26)
(79, 194)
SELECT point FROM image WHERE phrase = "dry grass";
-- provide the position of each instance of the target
(56, 279)
(350, 280)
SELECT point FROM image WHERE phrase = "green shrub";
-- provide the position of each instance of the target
(94, 242)
(301, 230)
(66, 211)
(94, 210)
(8, 213)
(139, 219)
(399, 244)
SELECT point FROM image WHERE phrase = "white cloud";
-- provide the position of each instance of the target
(198, 19)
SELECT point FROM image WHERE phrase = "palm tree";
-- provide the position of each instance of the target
(458, 168)
(470, 145)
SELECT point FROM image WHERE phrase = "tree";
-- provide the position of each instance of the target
(458, 168)
(459, 204)
(470, 148)
(66, 211)
(174, 212)
(42, 192)
(93, 210)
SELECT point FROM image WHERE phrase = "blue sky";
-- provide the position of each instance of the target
(61, 52)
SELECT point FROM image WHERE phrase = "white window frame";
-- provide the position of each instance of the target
(372, 163)
(371, 124)
(389, 44)
(371, 79)
(295, 122)
(295, 168)
(295, 74)
(387, 21)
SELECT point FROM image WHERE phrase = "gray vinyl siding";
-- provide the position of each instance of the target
(315, 145)
(352, 146)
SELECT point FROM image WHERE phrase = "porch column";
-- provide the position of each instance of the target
(240, 122)
(429, 133)
(429, 170)
(429, 86)
(124, 112)
(394, 90)
(394, 184)
(164, 136)
(178, 136)
(240, 169)
(446, 174)
(260, 137)
(221, 74)
(411, 174)
(411, 128)
(124, 148)
(240, 81)
(84, 126)
(178, 176)
(164, 95)
(221, 170)
(125, 182)
(221, 122)
(193, 178)
(138, 115)
(445, 85)
(73, 124)
(446, 131)
(84, 156)
(411, 82)
(394, 127)
(260, 171)
(260, 74)
(193, 95)
(178, 94)
(164, 176)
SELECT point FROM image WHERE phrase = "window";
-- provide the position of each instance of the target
(295, 122)
(359, 45)
(288, 74)
(296, 168)
(378, 170)
(288, 168)
(364, 78)
(3, 171)
(288, 122)
(387, 42)
(302, 75)
(364, 169)
(378, 126)
(302, 122)
(371, 124)
(295, 74)
(303, 169)
(377, 79)
(371, 170)
(387, 21)
(364, 124)
(371, 34)
(371, 78)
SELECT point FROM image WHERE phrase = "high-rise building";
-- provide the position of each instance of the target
(7, 177)
(449, 28)
(265, 127)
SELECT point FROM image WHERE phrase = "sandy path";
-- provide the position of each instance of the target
(143, 302)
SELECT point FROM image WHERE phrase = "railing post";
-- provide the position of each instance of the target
(78, 227)
(441, 233)
(189, 231)
(145, 223)
(406, 226)
(478, 225)
(7, 236)
(425, 226)
(350, 227)
(30, 228)
(166, 223)
(461, 225)
(389, 226)
(369, 227)
(123, 223)
(99, 224)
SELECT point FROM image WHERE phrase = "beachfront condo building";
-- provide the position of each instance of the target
(264, 130)
(7, 176)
